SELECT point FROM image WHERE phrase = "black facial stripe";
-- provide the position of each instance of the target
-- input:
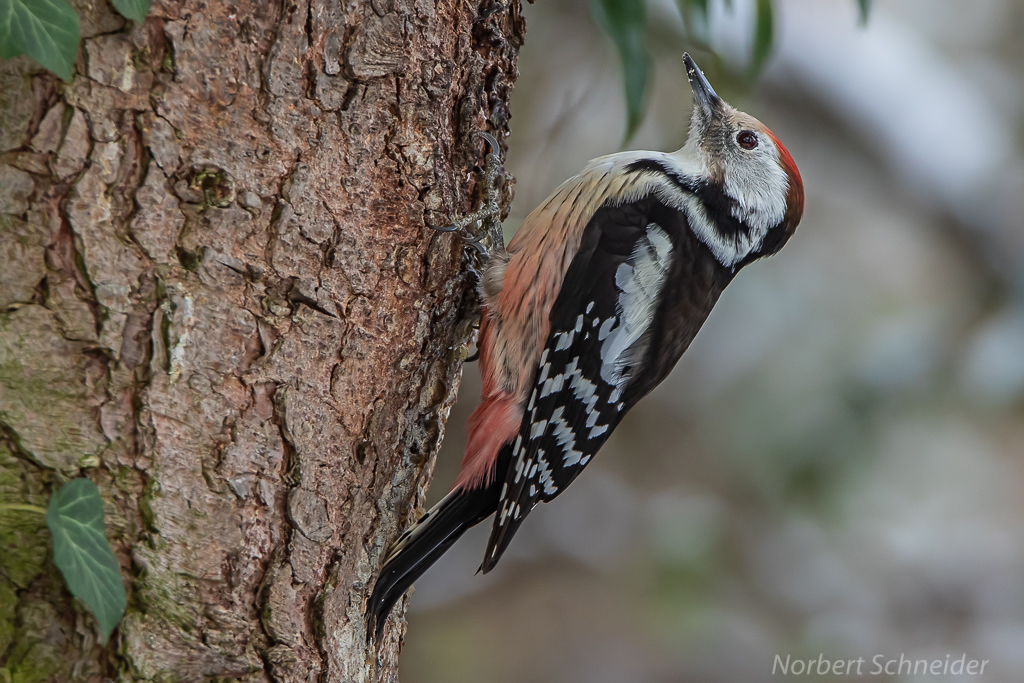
(656, 167)
(717, 204)
(719, 207)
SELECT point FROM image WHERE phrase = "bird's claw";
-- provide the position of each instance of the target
(461, 227)
(484, 223)
(491, 141)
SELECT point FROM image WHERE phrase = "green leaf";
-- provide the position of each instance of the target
(135, 10)
(764, 24)
(8, 49)
(865, 9)
(82, 553)
(45, 30)
(625, 22)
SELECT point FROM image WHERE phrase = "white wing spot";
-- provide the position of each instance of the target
(546, 478)
(544, 370)
(552, 386)
(639, 281)
(566, 438)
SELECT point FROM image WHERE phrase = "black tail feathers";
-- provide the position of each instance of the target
(422, 545)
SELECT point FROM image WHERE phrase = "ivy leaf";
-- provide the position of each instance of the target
(7, 48)
(135, 10)
(82, 553)
(764, 24)
(865, 9)
(625, 22)
(45, 30)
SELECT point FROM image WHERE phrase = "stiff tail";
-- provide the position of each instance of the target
(422, 545)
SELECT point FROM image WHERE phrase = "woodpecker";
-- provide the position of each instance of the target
(597, 296)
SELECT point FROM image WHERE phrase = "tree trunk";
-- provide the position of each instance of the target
(218, 300)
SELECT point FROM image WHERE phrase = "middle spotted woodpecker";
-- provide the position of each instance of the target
(598, 295)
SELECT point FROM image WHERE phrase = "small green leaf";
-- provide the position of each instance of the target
(135, 10)
(45, 30)
(625, 22)
(764, 24)
(82, 553)
(865, 9)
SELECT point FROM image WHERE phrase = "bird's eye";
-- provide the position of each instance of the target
(746, 140)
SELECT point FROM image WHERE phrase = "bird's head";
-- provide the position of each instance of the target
(744, 165)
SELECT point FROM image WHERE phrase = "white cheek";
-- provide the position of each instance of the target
(760, 187)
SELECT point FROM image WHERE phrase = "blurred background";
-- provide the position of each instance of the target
(837, 465)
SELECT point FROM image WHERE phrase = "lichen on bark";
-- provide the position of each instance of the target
(219, 300)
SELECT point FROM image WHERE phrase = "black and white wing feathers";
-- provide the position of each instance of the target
(601, 327)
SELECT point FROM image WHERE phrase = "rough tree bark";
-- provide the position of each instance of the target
(218, 300)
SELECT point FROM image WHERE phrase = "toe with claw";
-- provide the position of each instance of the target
(482, 228)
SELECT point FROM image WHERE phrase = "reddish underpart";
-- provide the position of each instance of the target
(494, 423)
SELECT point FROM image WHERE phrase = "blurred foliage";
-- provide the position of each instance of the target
(625, 22)
(764, 29)
(695, 18)
(865, 8)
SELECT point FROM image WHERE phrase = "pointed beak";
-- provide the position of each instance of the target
(704, 96)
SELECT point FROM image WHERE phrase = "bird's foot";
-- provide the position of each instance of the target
(482, 229)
